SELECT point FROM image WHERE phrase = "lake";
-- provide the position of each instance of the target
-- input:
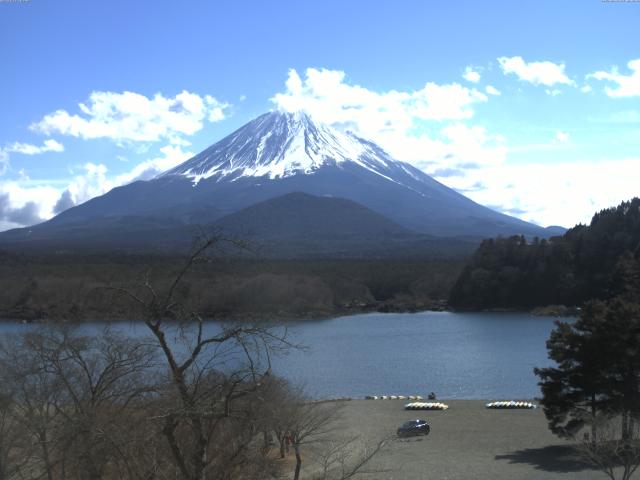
(456, 355)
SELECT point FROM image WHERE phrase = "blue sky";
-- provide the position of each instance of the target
(531, 107)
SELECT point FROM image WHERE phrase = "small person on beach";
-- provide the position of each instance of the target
(431, 396)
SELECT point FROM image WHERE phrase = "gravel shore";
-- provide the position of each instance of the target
(466, 442)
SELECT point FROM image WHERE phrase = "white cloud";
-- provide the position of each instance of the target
(445, 102)
(328, 97)
(626, 85)
(20, 206)
(49, 145)
(586, 89)
(172, 156)
(492, 90)
(94, 180)
(215, 108)
(472, 147)
(4, 161)
(29, 149)
(471, 75)
(91, 183)
(554, 92)
(538, 73)
(178, 141)
(561, 137)
(562, 193)
(132, 117)
(412, 125)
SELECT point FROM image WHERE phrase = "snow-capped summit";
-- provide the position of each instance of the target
(282, 144)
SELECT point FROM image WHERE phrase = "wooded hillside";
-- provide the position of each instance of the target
(597, 261)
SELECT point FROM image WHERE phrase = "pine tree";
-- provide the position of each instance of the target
(596, 382)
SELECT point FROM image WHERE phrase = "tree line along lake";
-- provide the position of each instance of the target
(455, 355)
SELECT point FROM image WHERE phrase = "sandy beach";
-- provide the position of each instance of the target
(466, 442)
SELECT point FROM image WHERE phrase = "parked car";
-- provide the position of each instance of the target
(414, 427)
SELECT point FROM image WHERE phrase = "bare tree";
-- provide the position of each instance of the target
(15, 448)
(345, 458)
(189, 400)
(100, 377)
(36, 396)
(311, 422)
(616, 449)
(278, 402)
(212, 373)
(314, 427)
(75, 396)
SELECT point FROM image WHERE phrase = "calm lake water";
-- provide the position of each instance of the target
(455, 355)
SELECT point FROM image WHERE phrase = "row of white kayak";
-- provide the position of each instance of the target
(511, 404)
(393, 397)
(426, 406)
(442, 406)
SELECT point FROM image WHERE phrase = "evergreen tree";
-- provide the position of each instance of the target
(575, 391)
(596, 382)
(599, 261)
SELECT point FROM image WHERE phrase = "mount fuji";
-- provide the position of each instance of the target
(273, 156)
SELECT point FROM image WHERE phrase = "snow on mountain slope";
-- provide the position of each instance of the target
(279, 145)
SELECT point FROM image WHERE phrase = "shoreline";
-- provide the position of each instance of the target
(558, 311)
